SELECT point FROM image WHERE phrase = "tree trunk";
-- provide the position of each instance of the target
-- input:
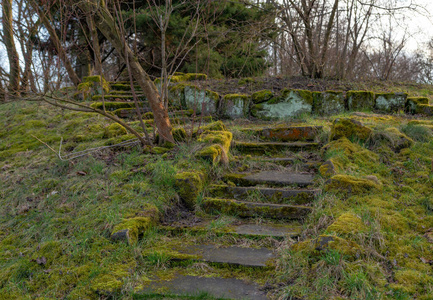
(8, 38)
(106, 24)
(55, 39)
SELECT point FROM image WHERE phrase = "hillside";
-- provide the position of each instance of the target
(333, 201)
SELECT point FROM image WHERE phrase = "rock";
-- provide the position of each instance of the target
(413, 104)
(287, 133)
(189, 185)
(203, 102)
(130, 228)
(253, 209)
(271, 178)
(234, 106)
(328, 103)
(290, 104)
(327, 169)
(349, 128)
(390, 102)
(347, 224)
(392, 138)
(261, 96)
(227, 288)
(350, 184)
(360, 100)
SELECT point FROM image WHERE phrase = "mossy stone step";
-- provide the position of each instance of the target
(273, 195)
(246, 229)
(286, 133)
(231, 255)
(194, 286)
(273, 147)
(275, 178)
(247, 209)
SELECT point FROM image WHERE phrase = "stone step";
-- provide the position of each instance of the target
(119, 97)
(239, 228)
(286, 133)
(193, 286)
(231, 255)
(273, 195)
(274, 178)
(273, 147)
(247, 209)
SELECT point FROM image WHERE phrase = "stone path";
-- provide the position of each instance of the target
(262, 204)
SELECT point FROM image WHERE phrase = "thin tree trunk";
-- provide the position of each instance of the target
(106, 24)
(8, 38)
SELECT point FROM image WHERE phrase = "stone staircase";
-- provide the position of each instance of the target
(244, 217)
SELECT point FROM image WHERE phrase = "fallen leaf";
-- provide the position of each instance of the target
(41, 260)
(81, 173)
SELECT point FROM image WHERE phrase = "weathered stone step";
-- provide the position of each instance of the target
(232, 255)
(247, 209)
(246, 229)
(273, 195)
(269, 178)
(225, 288)
(119, 97)
(273, 147)
(286, 133)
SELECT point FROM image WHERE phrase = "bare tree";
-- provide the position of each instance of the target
(8, 39)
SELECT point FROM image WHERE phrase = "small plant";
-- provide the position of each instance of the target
(332, 257)
(158, 259)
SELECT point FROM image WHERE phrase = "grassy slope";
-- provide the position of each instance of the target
(56, 216)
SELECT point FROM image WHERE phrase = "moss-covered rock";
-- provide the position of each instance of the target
(328, 103)
(348, 184)
(223, 138)
(130, 228)
(234, 106)
(324, 243)
(189, 185)
(390, 137)
(360, 100)
(425, 109)
(261, 96)
(327, 169)
(412, 104)
(202, 101)
(112, 106)
(349, 128)
(114, 130)
(347, 224)
(291, 104)
(390, 102)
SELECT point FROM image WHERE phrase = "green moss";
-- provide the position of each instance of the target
(159, 150)
(133, 227)
(329, 242)
(261, 96)
(189, 185)
(351, 185)
(114, 130)
(412, 104)
(112, 106)
(223, 138)
(195, 76)
(346, 225)
(244, 209)
(392, 138)
(211, 153)
(123, 87)
(349, 128)
(215, 126)
(360, 100)
(328, 103)
(93, 85)
(390, 102)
